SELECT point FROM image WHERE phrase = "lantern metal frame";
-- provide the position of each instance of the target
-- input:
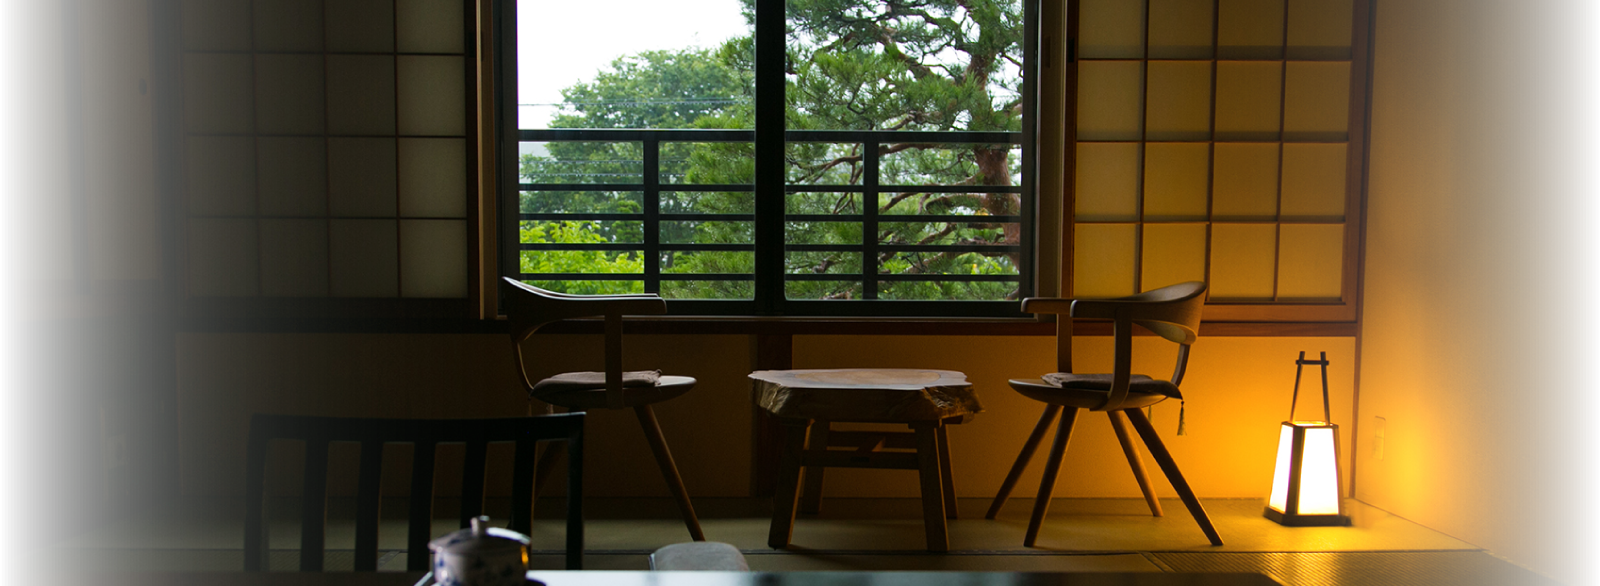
(1296, 432)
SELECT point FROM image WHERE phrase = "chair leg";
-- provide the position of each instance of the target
(932, 485)
(1021, 464)
(946, 479)
(1119, 424)
(787, 489)
(1159, 451)
(669, 470)
(1047, 484)
(811, 497)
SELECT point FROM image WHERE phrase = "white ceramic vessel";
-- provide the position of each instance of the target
(480, 556)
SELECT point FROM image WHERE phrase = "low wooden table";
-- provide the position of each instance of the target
(806, 402)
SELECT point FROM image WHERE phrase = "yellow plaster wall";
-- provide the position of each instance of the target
(1238, 388)
(223, 378)
(1479, 261)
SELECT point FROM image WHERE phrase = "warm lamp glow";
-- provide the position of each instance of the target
(1280, 474)
(1305, 484)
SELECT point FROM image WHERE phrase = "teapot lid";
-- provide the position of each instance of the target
(480, 539)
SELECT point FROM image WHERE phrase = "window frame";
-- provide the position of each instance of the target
(770, 186)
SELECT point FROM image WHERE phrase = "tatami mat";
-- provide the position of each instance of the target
(1395, 568)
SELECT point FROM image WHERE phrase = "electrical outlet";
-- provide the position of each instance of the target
(1380, 430)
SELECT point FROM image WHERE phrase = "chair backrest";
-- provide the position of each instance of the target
(530, 308)
(1172, 312)
(425, 434)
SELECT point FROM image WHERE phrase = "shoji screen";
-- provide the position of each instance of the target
(326, 148)
(1216, 140)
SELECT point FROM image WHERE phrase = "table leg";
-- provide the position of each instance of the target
(787, 491)
(811, 497)
(932, 486)
(946, 479)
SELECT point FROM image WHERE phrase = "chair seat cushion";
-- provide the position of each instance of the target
(587, 396)
(1137, 383)
(579, 381)
(1091, 391)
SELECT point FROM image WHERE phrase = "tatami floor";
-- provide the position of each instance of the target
(1080, 535)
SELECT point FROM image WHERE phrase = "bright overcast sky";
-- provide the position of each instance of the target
(562, 42)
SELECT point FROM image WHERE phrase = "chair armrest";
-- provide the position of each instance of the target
(1050, 305)
(1103, 308)
(608, 305)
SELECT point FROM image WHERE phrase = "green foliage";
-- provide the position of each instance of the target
(940, 65)
(577, 261)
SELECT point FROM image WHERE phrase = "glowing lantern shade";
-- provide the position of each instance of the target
(1305, 484)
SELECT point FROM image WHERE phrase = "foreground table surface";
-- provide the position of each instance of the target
(641, 578)
(895, 579)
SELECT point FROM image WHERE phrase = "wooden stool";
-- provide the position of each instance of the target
(923, 400)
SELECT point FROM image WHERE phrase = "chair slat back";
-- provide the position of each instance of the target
(314, 505)
(368, 507)
(425, 434)
(419, 519)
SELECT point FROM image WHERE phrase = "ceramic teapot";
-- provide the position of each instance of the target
(480, 556)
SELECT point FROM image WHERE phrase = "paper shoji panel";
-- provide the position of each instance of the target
(294, 257)
(1212, 144)
(365, 262)
(294, 176)
(1250, 29)
(222, 257)
(1319, 29)
(1248, 96)
(1178, 100)
(428, 249)
(1243, 259)
(326, 147)
(1309, 264)
(1111, 29)
(1173, 253)
(1313, 182)
(1103, 260)
(1180, 29)
(1108, 182)
(1316, 101)
(1110, 100)
(1175, 181)
(1244, 182)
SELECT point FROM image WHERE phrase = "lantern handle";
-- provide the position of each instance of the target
(1300, 363)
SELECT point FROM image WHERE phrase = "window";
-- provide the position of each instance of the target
(894, 177)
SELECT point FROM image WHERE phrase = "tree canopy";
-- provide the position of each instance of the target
(944, 65)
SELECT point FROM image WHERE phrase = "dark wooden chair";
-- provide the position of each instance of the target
(425, 435)
(531, 308)
(1172, 312)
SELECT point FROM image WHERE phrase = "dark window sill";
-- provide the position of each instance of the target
(681, 325)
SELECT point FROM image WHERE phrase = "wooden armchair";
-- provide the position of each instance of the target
(1172, 312)
(530, 308)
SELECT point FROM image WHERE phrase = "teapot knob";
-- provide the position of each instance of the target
(480, 525)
